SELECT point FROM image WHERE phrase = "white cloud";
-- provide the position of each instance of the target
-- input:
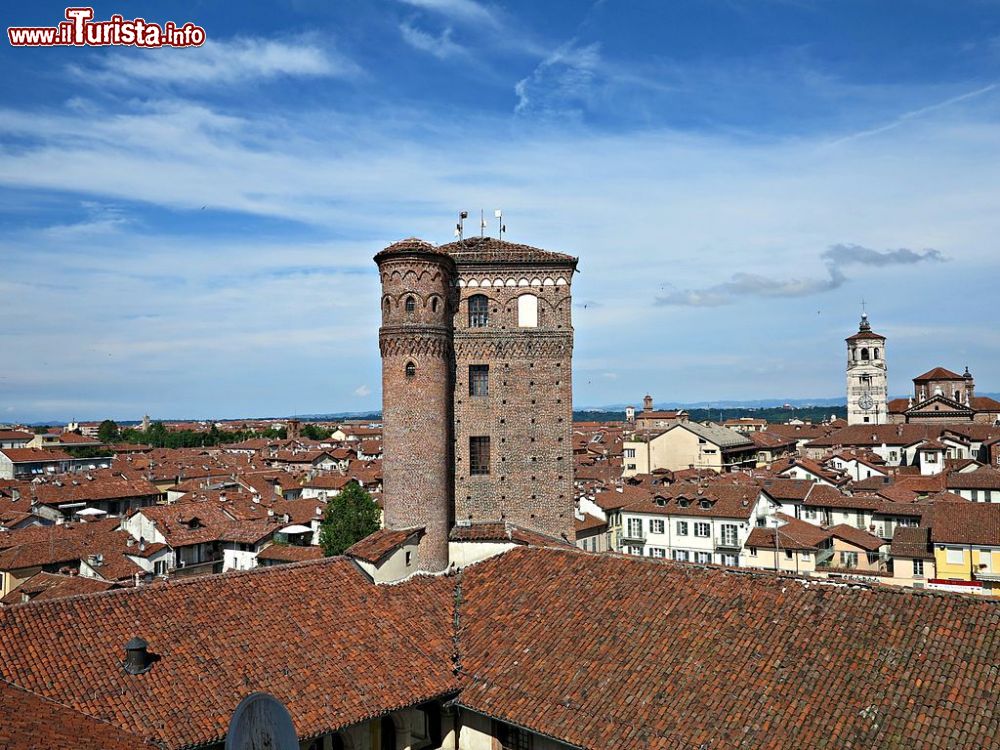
(441, 47)
(562, 82)
(463, 10)
(362, 391)
(220, 62)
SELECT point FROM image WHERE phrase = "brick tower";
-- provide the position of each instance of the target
(513, 341)
(477, 394)
(417, 374)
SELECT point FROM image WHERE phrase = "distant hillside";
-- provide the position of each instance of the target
(773, 414)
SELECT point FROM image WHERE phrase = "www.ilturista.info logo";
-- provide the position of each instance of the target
(80, 30)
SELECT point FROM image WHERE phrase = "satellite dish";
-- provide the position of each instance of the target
(261, 722)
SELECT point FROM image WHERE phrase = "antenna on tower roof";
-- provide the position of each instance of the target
(498, 214)
(460, 227)
(482, 224)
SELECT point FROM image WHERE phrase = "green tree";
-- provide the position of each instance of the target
(157, 435)
(107, 432)
(350, 516)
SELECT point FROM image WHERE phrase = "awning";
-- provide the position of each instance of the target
(296, 528)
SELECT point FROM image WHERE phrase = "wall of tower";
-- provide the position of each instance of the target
(528, 410)
(867, 376)
(416, 400)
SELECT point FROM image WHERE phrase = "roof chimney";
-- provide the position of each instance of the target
(137, 658)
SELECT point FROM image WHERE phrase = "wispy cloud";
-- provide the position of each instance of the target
(221, 62)
(441, 46)
(743, 285)
(362, 391)
(914, 114)
(562, 82)
(458, 10)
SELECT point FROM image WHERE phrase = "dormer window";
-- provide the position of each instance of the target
(706, 504)
(683, 502)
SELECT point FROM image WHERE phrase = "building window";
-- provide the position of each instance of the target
(479, 455)
(527, 311)
(955, 556)
(411, 304)
(788, 554)
(656, 526)
(434, 304)
(753, 552)
(682, 528)
(635, 528)
(730, 561)
(657, 552)
(630, 467)
(411, 370)
(805, 556)
(849, 559)
(703, 557)
(630, 453)
(729, 534)
(479, 380)
(479, 311)
(681, 555)
(918, 568)
(512, 738)
(702, 529)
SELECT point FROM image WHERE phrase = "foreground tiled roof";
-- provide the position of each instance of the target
(31, 721)
(319, 636)
(596, 651)
(605, 652)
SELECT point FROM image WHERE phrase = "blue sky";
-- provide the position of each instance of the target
(189, 232)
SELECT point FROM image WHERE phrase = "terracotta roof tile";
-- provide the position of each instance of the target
(374, 547)
(335, 649)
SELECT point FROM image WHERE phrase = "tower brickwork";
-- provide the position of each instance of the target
(479, 429)
(525, 341)
(867, 376)
(415, 341)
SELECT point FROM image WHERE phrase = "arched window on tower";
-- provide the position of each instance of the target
(479, 311)
(875, 353)
(527, 311)
(411, 304)
(434, 304)
(386, 305)
(411, 370)
(864, 355)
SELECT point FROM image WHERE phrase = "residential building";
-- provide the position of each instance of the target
(688, 445)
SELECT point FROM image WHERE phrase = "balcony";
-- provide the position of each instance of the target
(725, 542)
(824, 556)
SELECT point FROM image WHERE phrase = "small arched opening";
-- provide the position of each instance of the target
(411, 370)
(864, 355)
(411, 305)
(527, 311)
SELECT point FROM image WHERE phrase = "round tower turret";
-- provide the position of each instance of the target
(417, 375)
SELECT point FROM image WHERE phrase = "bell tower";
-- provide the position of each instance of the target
(415, 341)
(867, 376)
